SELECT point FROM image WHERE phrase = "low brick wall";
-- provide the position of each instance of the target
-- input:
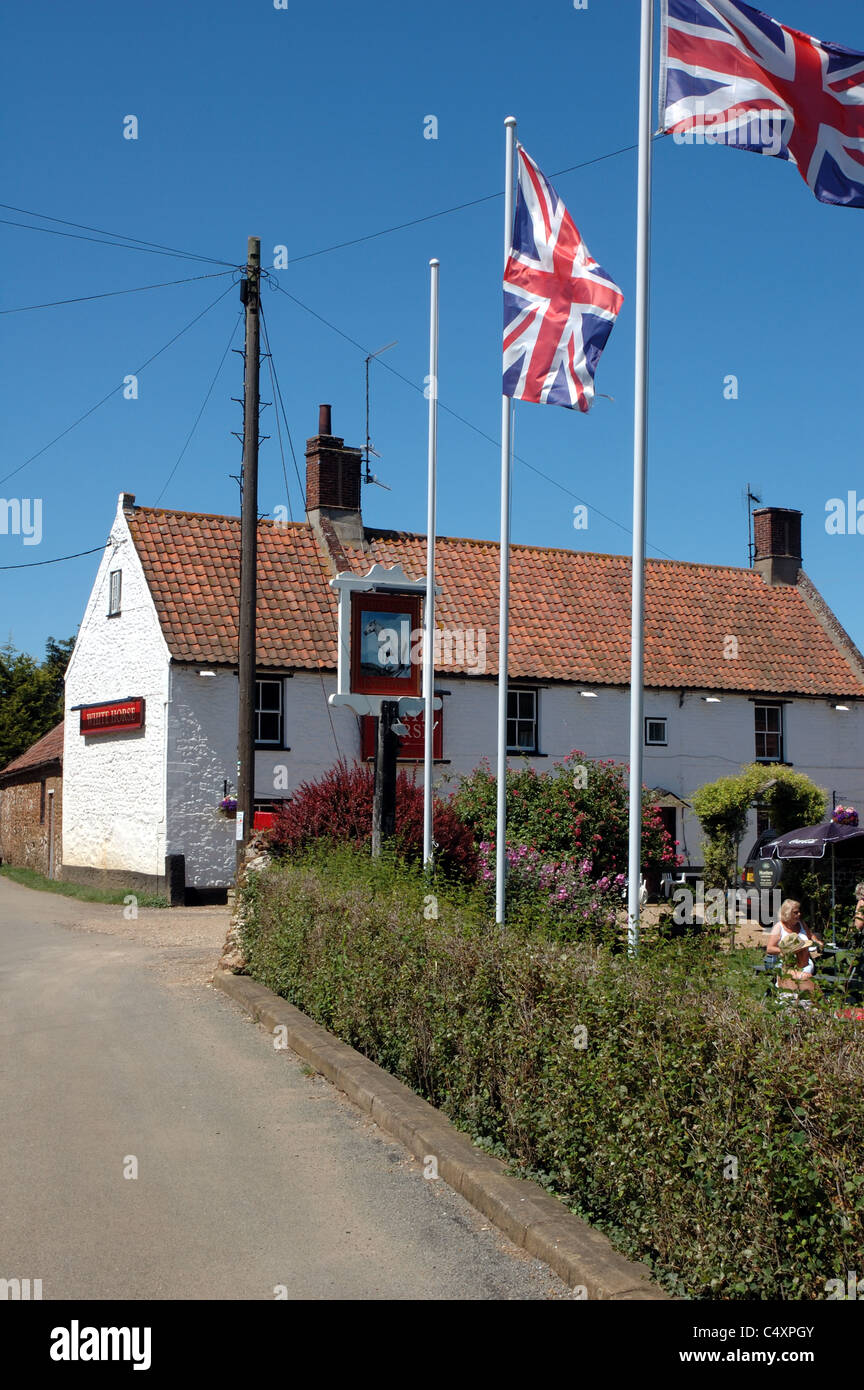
(25, 816)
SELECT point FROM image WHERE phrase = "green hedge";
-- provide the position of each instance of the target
(685, 1077)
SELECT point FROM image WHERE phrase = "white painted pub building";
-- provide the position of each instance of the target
(741, 664)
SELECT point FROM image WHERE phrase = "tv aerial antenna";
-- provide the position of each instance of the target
(369, 476)
(749, 498)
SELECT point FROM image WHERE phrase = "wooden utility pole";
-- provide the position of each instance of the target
(384, 796)
(250, 289)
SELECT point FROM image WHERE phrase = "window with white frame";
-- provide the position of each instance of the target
(769, 733)
(115, 586)
(522, 734)
(268, 713)
(655, 732)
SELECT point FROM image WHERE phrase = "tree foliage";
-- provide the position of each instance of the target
(31, 695)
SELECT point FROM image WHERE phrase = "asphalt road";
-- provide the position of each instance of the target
(255, 1179)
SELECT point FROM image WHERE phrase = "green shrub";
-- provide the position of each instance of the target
(578, 808)
(723, 806)
(685, 1079)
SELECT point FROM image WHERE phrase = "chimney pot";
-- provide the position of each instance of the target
(333, 481)
(777, 536)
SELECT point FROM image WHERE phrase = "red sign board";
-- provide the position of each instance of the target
(412, 746)
(114, 718)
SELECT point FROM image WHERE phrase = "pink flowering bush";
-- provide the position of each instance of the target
(560, 894)
(577, 810)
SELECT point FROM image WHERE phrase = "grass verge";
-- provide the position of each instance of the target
(29, 878)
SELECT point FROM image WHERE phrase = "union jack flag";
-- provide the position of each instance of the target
(731, 75)
(559, 304)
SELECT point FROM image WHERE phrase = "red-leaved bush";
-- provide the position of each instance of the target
(338, 806)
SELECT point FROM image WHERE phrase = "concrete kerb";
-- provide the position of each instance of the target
(530, 1217)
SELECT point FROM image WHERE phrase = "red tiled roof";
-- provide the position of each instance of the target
(192, 564)
(47, 749)
(569, 619)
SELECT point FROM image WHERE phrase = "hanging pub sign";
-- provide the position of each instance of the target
(118, 716)
(380, 641)
(386, 651)
(412, 744)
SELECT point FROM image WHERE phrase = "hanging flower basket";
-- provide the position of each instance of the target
(228, 807)
(845, 815)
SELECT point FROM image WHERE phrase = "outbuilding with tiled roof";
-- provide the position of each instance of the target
(31, 806)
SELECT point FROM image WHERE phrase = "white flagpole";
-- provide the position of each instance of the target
(504, 596)
(429, 624)
(637, 645)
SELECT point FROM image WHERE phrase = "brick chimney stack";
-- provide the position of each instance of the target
(333, 482)
(777, 535)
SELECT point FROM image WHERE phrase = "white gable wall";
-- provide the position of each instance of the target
(114, 784)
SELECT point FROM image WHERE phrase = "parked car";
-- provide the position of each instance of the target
(750, 871)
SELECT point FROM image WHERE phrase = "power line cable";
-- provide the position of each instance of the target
(277, 392)
(109, 294)
(468, 423)
(101, 241)
(231, 338)
(114, 389)
(131, 243)
(277, 389)
(445, 212)
(31, 564)
(278, 425)
(118, 238)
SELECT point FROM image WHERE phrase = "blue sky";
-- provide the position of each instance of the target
(305, 126)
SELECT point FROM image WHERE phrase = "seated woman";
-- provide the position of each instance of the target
(796, 965)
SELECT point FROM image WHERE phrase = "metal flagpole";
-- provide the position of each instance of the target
(429, 624)
(637, 642)
(833, 941)
(504, 595)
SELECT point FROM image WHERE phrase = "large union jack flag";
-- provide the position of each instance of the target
(732, 75)
(559, 304)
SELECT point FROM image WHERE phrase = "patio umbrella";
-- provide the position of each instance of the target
(811, 843)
